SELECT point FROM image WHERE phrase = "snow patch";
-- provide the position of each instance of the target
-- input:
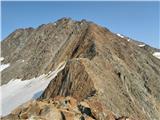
(20, 60)
(4, 66)
(156, 54)
(128, 39)
(120, 35)
(1, 58)
(142, 45)
(17, 92)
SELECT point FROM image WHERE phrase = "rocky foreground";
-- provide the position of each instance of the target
(63, 108)
(108, 76)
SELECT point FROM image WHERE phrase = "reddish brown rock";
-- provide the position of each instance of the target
(79, 85)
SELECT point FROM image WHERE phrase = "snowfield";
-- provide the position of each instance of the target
(156, 54)
(17, 92)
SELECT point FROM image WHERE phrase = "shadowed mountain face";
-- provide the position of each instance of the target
(118, 72)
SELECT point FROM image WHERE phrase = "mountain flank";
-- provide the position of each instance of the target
(106, 76)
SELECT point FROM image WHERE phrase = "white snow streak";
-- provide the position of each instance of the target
(17, 92)
(20, 60)
(4, 66)
(142, 45)
(120, 35)
(156, 54)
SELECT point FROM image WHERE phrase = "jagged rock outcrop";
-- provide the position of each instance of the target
(71, 81)
(63, 108)
(113, 70)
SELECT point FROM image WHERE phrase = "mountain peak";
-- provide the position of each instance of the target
(85, 61)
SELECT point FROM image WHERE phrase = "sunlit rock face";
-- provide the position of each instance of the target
(109, 69)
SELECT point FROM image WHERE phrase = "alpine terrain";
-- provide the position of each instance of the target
(78, 70)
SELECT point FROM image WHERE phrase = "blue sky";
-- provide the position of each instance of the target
(138, 20)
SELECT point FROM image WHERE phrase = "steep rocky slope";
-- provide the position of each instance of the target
(30, 51)
(118, 72)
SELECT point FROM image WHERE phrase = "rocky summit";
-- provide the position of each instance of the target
(91, 73)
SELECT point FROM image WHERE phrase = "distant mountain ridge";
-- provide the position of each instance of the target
(102, 67)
